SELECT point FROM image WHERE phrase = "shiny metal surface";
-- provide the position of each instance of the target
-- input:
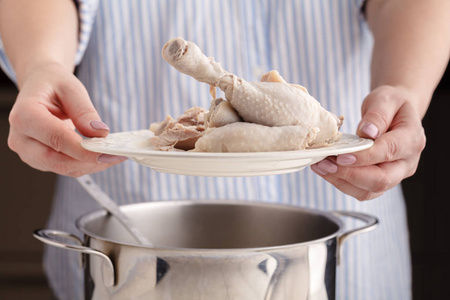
(371, 223)
(107, 203)
(50, 237)
(216, 250)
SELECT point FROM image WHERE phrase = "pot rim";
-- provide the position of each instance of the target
(85, 218)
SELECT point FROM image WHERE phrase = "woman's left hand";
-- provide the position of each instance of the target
(396, 128)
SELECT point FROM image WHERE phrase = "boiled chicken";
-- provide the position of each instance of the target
(271, 102)
(220, 114)
(251, 137)
(181, 133)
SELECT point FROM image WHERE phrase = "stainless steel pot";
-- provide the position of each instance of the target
(211, 250)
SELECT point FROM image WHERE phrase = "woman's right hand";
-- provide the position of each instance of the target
(51, 104)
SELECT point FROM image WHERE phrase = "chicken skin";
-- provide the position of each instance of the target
(254, 114)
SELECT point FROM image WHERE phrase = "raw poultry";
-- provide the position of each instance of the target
(270, 115)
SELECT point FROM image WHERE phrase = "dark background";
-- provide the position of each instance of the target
(26, 199)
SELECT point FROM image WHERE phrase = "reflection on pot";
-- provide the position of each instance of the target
(213, 250)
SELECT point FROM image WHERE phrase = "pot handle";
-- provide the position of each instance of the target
(371, 223)
(47, 236)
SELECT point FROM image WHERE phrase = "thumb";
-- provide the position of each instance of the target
(378, 111)
(79, 108)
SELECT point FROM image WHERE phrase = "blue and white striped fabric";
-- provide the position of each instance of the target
(324, 45)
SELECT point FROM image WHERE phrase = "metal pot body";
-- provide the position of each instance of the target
(212, 250)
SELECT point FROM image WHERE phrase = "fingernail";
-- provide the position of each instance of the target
(318, 170)
(99, 125)
(325, 167)
(346, 159)
(328, 166)
(106, 158)
(370, 130)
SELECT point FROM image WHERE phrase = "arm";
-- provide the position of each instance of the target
(40, 39)
(411, 51)
(412, 45)
(36, 33)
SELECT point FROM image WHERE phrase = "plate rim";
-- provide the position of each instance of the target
(142, 134)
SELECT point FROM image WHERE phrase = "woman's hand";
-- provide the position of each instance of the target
(51, 104)
(390, 119)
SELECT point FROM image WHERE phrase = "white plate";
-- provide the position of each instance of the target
(135, 145)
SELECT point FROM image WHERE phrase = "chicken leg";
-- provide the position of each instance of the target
(250, 137)
(270, 103)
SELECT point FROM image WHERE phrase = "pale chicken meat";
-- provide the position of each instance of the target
(271, 115)
(181, 133)
(251, 137)
(220, 114)
(272, 102)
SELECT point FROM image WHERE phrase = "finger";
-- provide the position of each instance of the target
(44, 158)
(34, 153)
(373, 179)
(346, 187)
(55, 134)
(78, 107)
(389, 147)
(404, 140)
(378, 111)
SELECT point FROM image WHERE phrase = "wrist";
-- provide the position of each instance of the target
(27, 71)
